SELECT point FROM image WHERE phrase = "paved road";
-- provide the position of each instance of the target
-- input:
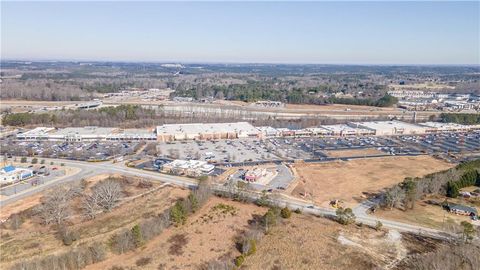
(90, 169)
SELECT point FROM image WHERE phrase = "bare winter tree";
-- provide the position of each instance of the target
(55, 206)
(393, 197)
(107, 194)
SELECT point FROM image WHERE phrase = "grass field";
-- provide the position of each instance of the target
(306, 242)
(35, 239)
(349, 180)
(208, 235)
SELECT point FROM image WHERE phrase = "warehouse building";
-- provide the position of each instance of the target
(79, 134)
(132, 135)
(36, 134)
(382, 128)
(437, 127)
(203, 131)
(74, 134)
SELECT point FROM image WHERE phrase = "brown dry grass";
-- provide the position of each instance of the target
(424, 214)
(349, 180)
(306, 242)
(207, 235)
(35, 239)
(353, 152)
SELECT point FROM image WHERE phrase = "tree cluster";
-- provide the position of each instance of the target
(461, 118)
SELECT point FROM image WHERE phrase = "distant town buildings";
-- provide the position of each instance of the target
(423, 100)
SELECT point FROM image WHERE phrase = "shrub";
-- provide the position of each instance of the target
(143, 261)
(345, 216)
(239, 260)
(51, 163)
(378, 226)
(42, 161)
(62, 164)
(15, 221)
(23, 160)
(67, 236)
(137, 235)
(298, 211)
(178, 214)
(286, 213)
(34, 160)
(122, 241)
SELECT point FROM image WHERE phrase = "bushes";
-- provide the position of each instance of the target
(23, 160)
(143, 261)
(286, 213)
(345, 216)
(178, 214)
(73, 259)
(239, 260)
(34, 160)
(137, 236)
(122, 241)
(67, 236)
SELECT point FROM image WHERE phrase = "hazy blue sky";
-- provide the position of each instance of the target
(308, 32)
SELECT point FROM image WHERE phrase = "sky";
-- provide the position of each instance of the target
(446, 33)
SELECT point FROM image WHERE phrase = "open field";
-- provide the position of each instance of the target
(208, 235)
(306, 242)
(33, 239)
(353, 152)
(428, 215)
(349, 180)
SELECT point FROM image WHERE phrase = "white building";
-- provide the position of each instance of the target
(36, 134)
(10, 174)
(269, 132)
(204, 131)
(78, 134)
(188, 167)
(346, 130)
(390, 127)
(434, 127)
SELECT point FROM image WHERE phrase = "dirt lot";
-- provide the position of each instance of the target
(349, 180)
(306, 242)
(208, 235)
(353, 153)
(33, 238)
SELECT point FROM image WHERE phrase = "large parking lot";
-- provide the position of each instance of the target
(72, 150)
(256, 150)
(222, 151)
(444, 143)
(235, 151)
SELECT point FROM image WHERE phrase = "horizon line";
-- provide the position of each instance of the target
(227, 62)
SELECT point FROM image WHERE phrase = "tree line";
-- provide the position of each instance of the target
(447, 183)
(461, 118)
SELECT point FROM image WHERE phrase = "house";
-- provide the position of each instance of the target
(462, 209)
